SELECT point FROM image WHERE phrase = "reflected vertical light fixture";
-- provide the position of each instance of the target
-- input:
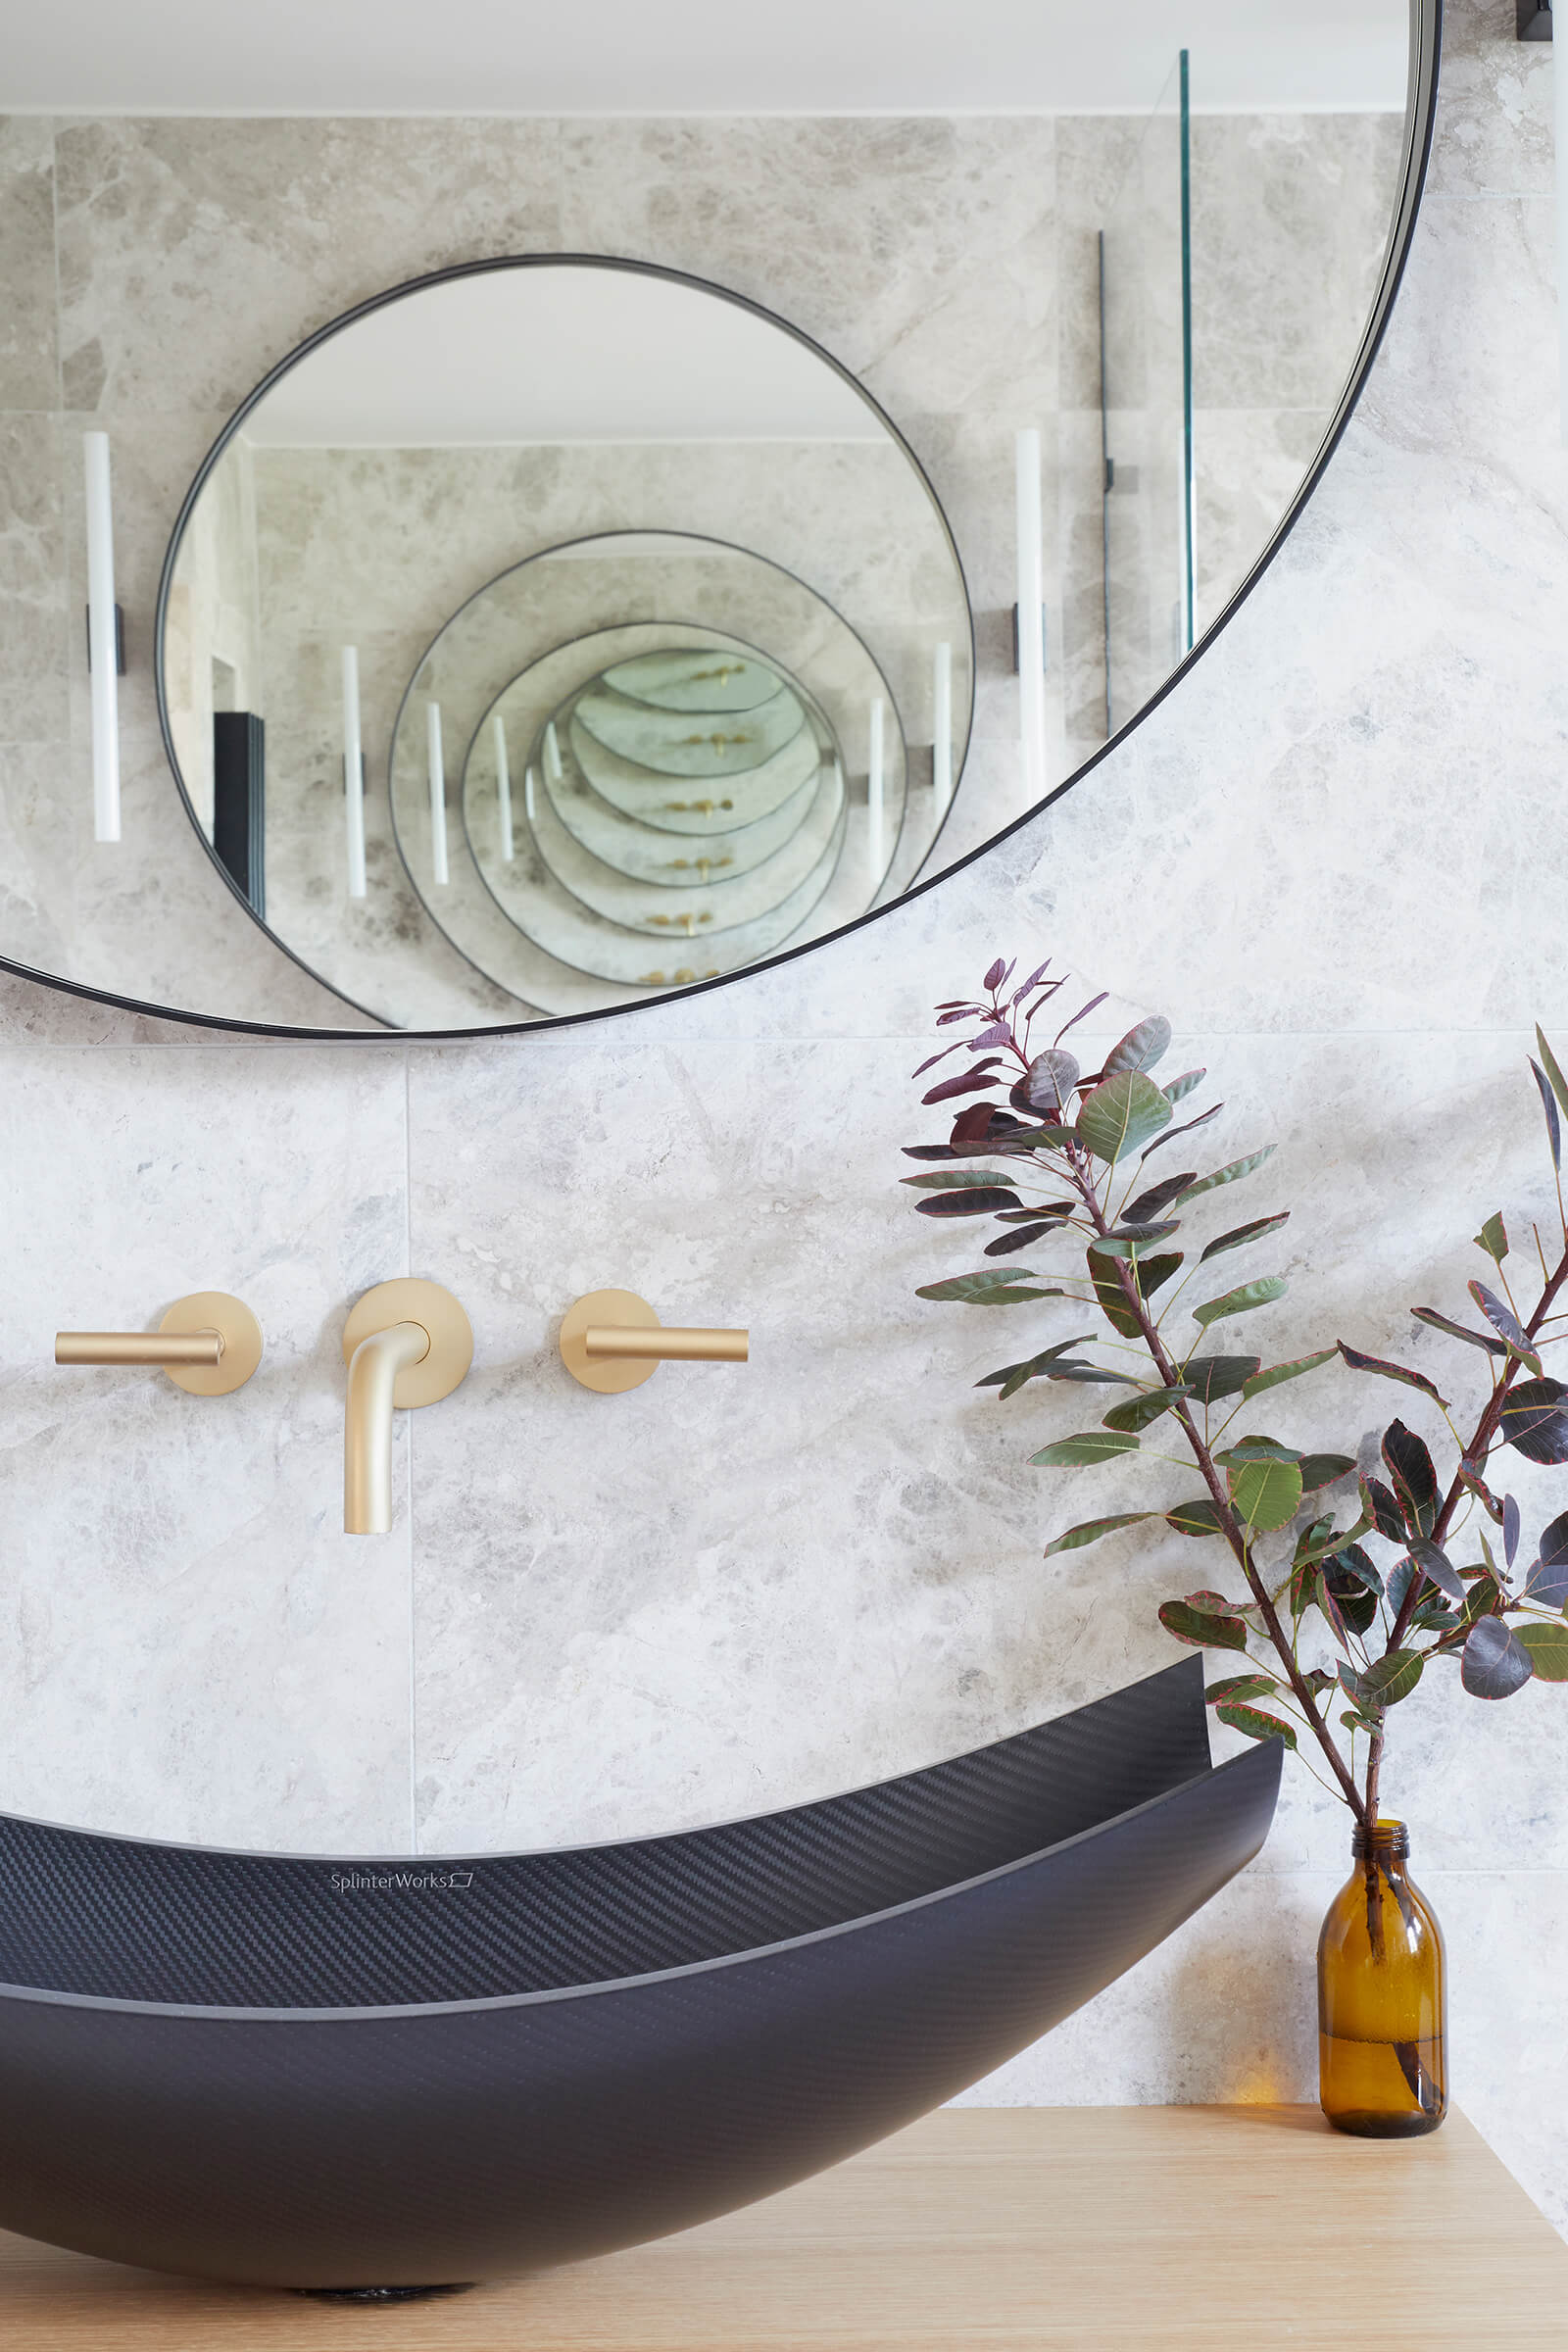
(528, 797)
(552, 754)
(942, 730)
(497, 729)
(436, 766)
(102, 640)
(873, 791)
(1031, 623)
(353, 772)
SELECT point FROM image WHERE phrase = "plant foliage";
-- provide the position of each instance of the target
(1041, 1123)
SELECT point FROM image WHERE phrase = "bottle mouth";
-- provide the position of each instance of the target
(1388, 1839)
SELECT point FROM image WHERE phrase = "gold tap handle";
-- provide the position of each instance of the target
(620, 1342)
(208, 1344)
(613, 1339)
(139, 1348)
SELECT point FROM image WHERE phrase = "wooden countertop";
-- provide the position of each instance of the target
(979, 2230)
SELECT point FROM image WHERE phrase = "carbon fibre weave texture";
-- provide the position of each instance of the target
(433, 2146)
(124, 1920)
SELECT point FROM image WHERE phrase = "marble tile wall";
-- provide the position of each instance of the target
(1333, 857)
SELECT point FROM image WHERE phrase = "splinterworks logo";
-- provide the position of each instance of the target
(399, 1881)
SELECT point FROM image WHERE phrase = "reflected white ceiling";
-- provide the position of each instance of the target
(686, 57)
(553, 355)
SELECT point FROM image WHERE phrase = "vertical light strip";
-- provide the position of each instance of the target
(353, 772)
(497, 728)
(436, 765)
(1559, 78)
(1031, 618)
(552, 754)
(875, 758)
(103, 651)
(942, 730)
(528, 797)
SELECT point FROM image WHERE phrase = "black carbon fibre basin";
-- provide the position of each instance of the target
(308, 2072)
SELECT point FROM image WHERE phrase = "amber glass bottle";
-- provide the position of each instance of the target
(1381, 1999)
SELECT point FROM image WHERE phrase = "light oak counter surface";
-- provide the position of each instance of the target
(978, 2229)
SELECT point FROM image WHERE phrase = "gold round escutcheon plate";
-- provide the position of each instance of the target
(437, 1313)
(215, 1311)
(609, 1375)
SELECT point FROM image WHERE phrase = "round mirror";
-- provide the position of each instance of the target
(648, 617)
(554, 631)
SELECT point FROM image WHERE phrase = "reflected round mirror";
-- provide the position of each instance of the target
(556, 631)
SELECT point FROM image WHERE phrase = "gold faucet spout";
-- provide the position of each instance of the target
(373, 1370)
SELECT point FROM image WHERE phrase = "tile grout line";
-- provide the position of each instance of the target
(408, 1267)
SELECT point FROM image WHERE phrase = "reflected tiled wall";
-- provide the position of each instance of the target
(1335, 856)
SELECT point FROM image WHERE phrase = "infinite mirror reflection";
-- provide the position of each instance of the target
(558, 632)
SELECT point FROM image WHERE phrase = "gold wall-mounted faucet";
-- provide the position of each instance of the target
(208, 1344)
(404, 1344)
(611, 1340)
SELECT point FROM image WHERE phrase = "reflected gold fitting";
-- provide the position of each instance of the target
(611, 1340)
(208, 1344)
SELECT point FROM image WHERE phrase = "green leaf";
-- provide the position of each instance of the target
(1180, 1088)
(1120, 1114)
(1321, 1547)
(1239, 1235)
(1233, 1174)
(1256, 1724)
(1322, 1469)
(1354, 1721)
(1242, 1299)
(1266, 1494)
(947, 1180)
(1200, 1626)
(1242, 1686)
(1199, 1518)
(1493, 1237)
(1141, 1048)
(992, 1286)
(1255, 1450)
(1139, 1412)
(1012, 1377)
(1091, 1445)
(1214, 1377)
(1392, 1677)
(1090, 1530)
(1548, 1646)
(1294, 1370)
(1387, 1371)
(1459, 1331)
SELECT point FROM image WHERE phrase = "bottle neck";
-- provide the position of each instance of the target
(1389, 1841)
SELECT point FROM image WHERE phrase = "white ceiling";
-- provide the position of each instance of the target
(685, 57)
(558, 354)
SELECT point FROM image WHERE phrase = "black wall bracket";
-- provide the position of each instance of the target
(1533, 20)
(1045, 643)
(120, 639)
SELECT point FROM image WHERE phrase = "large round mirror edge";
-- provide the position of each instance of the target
(486, 264)
(1426, 21)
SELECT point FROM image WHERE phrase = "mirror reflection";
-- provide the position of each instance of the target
(556, 632)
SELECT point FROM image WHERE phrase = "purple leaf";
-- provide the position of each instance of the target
(997, 973)
(1549, 1106)
(1020, 1237)
(932, 1059)
(1511, 1531)
(961, 1012)
(1171, 1133)
(1504, 1322)
(1047, 1083)
(976, 1200)
(1381, 1509)
(1415, 1482)
(999, 1034)
(1495, 1662)
(1033, 981)
(1436, 1564)
(967, 1082)
(1375, 1364)
(1458, 1331)
(1547, 1581)
(1080, 1013)
(1157, 1198)
(1534, 1422)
